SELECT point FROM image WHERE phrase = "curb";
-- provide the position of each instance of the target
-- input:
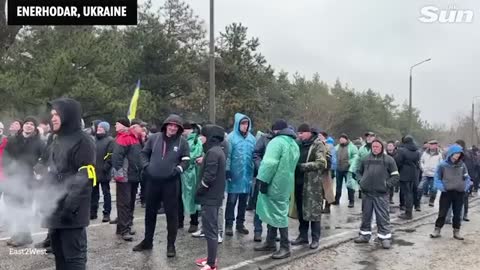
(265, 262)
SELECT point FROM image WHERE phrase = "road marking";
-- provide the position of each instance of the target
(90, 226)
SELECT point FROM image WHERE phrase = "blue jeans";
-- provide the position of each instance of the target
(232, 199)
(427, 184)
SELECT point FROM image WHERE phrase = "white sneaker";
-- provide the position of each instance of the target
(198, 234)
(220, 239)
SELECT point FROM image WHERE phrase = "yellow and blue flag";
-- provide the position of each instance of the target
(132, 110)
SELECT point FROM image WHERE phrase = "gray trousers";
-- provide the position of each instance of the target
(379, 204)
(210, 229)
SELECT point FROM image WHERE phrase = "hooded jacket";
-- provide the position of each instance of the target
(277, 171)
(408, 160)
(69, 153)
(377, 173)
(165, 158)
(240, 158)
(429, 162)
(352, 155)
(211, 186)
(452, 176)
(190, 177)
(330, 142)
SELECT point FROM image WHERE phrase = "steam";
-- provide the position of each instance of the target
(27, 200)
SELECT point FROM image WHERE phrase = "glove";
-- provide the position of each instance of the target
(228, 175)
(263, 187)
(439, 185)
(176, 171)
(118, 175)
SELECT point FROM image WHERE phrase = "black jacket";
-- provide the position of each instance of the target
(69, 152)
(408, 162)
(211, 187)
(260, 148)
(104, 149)
(21, 155)
(126, 164)
(471, 161)
(162, 157)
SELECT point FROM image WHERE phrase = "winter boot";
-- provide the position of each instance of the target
(351, 205)
(299, 241)
(456, 234)
(431, 202)
(418, 209)
(386, 243)
(127, 237)
(266, 247)
(142, 246)
(115, 221)
(282, 253)
(44, 244)
(257, 237)
(362, 239)
(326, 210)
(106, 218)
(171, 251)
(465, 218)
(193, 228)
(406, 216)
(242, 230)
(314, 245)
(229, 230)
(436, 233)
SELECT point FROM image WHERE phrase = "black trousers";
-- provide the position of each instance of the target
(142, 190)
(340, 178)
(449, 199)
(166, 192)
(107, 198)
(408, 190)
(304, 225)
(124, 207)
(272, 236)
(133, 197)
(210, 229)
(70, 248)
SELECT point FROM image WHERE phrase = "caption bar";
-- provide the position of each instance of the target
(72, 12)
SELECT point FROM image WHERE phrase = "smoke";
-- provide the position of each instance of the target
(27, 200)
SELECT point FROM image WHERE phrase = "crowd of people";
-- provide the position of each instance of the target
(183, 169)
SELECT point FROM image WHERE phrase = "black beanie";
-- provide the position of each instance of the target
(123, 121)
(31, 119)
(279, 125)
(304, 128)
(344, 136)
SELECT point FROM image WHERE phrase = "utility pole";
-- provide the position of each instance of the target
(211, 103)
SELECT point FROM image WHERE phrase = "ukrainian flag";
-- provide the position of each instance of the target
(132, 110)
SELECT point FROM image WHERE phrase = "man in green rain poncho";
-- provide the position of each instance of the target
(190, 176)
(277, 176)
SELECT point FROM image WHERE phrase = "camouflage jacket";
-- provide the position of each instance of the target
(315, 170)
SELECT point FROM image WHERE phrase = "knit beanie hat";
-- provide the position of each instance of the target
(304, 128)
(105, 126)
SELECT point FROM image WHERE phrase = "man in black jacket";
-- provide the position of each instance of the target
(377, 173)
(104, 149)
(408, 162)
(126, 169)
(165, 156)
(21, 154)
(70, 166)
(210, 192)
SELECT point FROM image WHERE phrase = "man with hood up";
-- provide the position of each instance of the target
(104, 150)
(240, 169)
(277, 177)
(452, 179)
(210, 191)
(21, 155)
(377, 173)
(70, 166)
(165, 157)
(408, 162)
(126, 168)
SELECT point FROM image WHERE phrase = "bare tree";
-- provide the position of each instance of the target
(7, 32)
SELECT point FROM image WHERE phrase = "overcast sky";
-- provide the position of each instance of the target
(367, 44)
